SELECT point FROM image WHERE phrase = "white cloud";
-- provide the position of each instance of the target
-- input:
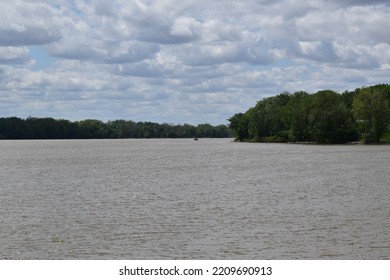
(183, 61)
(186, 27)
(23, 24)
(14, 55)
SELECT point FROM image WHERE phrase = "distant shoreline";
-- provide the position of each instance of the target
(13, 128)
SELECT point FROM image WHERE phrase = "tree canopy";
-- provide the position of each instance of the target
(49, 128)
(325, 117)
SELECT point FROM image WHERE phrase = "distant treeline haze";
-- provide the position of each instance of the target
(49, 128)
(324, 117)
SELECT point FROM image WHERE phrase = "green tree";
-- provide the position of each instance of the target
(239, 123)
(268, 120)
(371, 110)
(13, 128)
(91, 128)
(330, 121)
(298, 116)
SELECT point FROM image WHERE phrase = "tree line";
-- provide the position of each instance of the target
(325, 117)
(49, 128)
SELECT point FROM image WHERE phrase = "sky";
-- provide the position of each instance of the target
(194, 61)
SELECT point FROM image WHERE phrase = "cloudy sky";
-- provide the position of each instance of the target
(193, 61)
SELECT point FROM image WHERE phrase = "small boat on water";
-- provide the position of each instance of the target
(196, 139)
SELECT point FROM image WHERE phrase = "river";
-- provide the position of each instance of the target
(185, 199)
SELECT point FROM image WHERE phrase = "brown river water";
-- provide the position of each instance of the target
(185, 199)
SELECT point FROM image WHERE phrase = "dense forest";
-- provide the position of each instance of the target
(325, 117)
(49, 128)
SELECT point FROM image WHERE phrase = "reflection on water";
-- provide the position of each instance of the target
(182, 199)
